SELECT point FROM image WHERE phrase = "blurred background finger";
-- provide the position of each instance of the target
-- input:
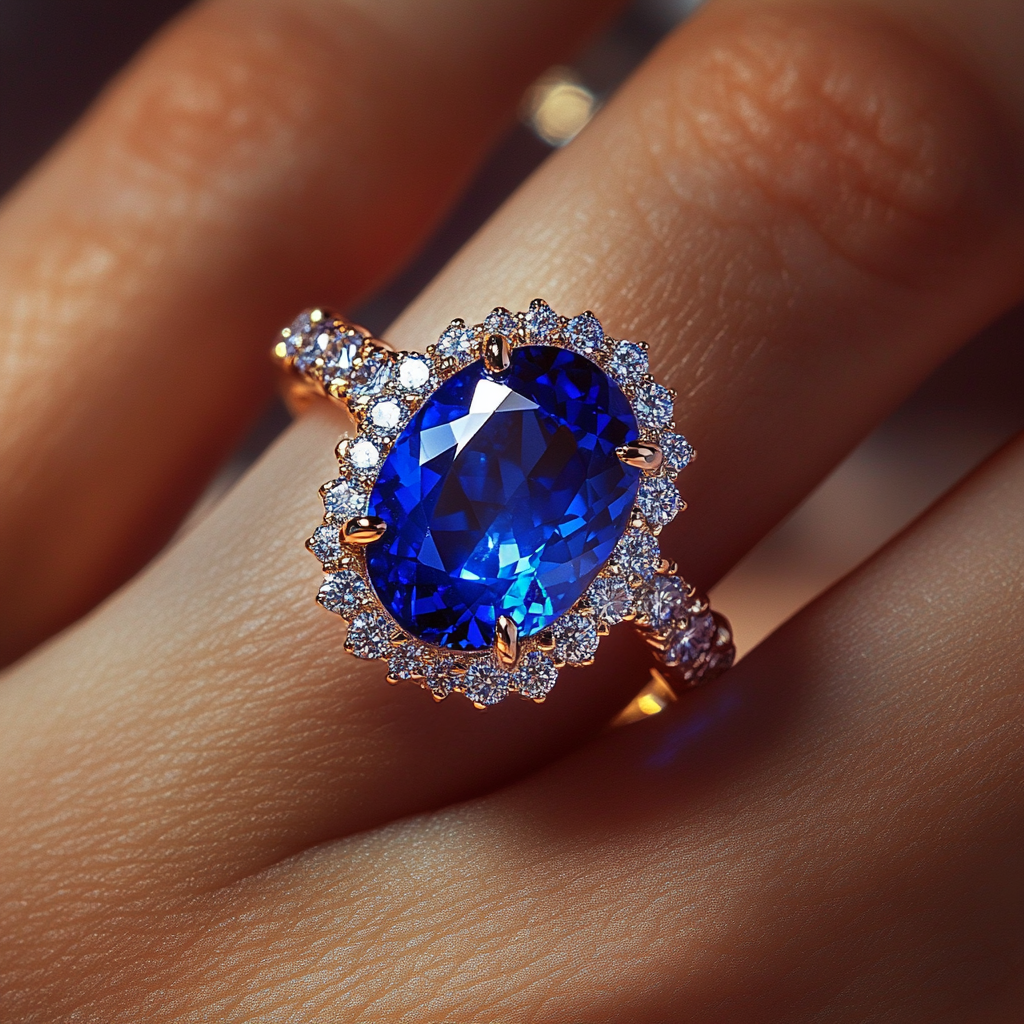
(259, 153)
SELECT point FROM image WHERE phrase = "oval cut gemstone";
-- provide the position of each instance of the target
(503, 495)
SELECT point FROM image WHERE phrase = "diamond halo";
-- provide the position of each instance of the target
(383, 389)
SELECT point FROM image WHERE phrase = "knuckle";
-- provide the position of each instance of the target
(847, 125)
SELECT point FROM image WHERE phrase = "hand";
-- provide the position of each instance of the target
(208, 812)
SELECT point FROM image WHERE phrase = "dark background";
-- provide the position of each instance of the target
(55, 55)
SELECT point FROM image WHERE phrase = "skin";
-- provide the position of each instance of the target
(209, 813)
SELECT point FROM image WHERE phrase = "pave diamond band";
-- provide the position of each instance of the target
(498, 510)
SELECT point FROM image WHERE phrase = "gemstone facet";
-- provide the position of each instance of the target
(677, 452)
(628, 362)
(611, 599)
(455, 343)
(503, 496)
(326, 544)
(369, 636)
(585, 333)
(535, 676)
(576, 639)
(653, 406)
(344, 593)
(638, 555)
(541, 321)
(658, 500)
(486, 683)
(342, 501)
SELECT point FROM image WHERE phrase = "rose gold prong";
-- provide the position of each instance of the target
(398, 637)
(363, 530)
(545, 641)
(666, 567)
(645, 455)
(636, 520)
(657, 641)
(479, 707)
(438, 697)
(506, 641)
(603, 629)
(393, 681)
(497, 353)
(538, 700)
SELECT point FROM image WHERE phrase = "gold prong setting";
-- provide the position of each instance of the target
(646, 457)
(363, 530)
(506, 643)
(497, 353)
(382, 390)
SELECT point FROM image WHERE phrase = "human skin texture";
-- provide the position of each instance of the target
(209, 812)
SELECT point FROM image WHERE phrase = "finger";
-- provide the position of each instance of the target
(804, 212)
(234, 680)
(258, 154)
(833, 832)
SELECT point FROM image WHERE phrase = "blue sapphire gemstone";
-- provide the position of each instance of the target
(503, 495)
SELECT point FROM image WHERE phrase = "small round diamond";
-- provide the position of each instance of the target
(369, 636)
(342, 501)
(315, 343)
(296, 336)
(408, 662)
(441, 677)
(628, 363)
(576, 639)
(653, 405)
(541, 321)
(340, 355)
(344, 593)
(658, 500)
(386, 415)
(585, 333)
(535, 675)
(637, 554)
(500, 321)
(371, 376)
(611, 599)
(662, 602)
(687, 644)
(456, 343)
(485, 682)
(413, 372)
(326, 544)
(363, 454)
(677, 451)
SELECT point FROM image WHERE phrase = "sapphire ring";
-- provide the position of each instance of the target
(499, 506)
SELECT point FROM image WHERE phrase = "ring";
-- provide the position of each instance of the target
(498, 509)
